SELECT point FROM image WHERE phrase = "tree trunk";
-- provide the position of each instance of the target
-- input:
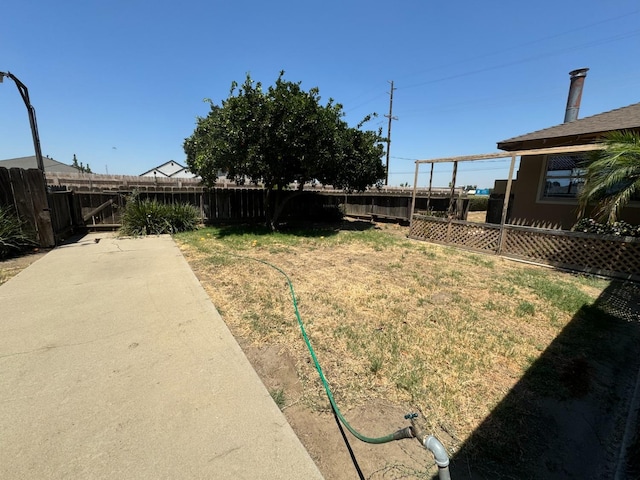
(275, 202)
(268, 201)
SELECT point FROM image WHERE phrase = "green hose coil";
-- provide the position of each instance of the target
(404, 433)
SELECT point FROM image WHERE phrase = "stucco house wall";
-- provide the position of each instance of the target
(530, 208)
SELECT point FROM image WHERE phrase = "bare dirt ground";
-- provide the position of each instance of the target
(13, 266)
(477, 217)
(321, 436)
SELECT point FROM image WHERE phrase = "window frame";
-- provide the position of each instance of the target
(573, 176)
(566, 200)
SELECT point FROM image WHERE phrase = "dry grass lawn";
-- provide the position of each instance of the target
(406, 322)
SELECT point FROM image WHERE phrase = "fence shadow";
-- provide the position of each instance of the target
(296, 228)
(566, 417)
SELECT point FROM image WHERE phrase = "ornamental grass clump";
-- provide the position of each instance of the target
(150, 217)
(14, 235)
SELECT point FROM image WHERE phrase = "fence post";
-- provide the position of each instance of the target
(413, 193)
(449, 223)
(453, 188)
(505, 206)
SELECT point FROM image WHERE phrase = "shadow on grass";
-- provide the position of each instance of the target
(298, 229)
(566, 417)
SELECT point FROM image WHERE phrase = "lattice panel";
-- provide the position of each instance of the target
(622, 300)
(434, 230)
(582, 252)
(571, 250)
(477, 237)
(470, 235)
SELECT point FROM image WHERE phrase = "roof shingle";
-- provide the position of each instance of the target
(50, 165)
(625, 118)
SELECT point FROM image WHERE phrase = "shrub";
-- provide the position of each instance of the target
(182, 217)
(478, 204)
(150, 217)
(14, 235)
(623, 229)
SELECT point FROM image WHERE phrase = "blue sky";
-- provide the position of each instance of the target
(119, 83)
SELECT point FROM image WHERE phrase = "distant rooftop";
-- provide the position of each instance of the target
(50, 165)
(170, 169)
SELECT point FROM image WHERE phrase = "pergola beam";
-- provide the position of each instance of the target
(490, 156)
(518, 153)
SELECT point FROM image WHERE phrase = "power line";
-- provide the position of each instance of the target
(525, 60)
(364, 103)
(532, 42)
(516, 62)
(621, 81)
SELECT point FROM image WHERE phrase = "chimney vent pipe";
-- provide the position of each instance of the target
(575, 94)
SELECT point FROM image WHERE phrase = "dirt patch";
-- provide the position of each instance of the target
(319, 431)
(477, 217)
(12, 266)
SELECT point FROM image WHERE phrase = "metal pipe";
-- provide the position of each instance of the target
(436, 447)
(575, 94)
(24, 93)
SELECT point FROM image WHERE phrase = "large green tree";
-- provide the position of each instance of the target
(283, 135)
(613, 176)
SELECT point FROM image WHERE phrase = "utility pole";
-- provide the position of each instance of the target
(390, 117)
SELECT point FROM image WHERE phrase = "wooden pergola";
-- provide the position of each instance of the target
(491, 156)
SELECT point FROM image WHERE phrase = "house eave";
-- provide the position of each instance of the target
(538, 143)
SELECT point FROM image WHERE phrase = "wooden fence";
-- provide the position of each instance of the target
(25, 191)
(221, 205)
(617, 257)
(65, 216)
(105, 209)
(394, 206)
(67, 209)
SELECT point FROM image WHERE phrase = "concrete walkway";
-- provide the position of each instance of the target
(115, 364)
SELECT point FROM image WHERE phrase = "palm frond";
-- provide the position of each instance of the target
(613, 176)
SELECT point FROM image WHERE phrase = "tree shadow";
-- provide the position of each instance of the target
(566, 417)
(296, 228)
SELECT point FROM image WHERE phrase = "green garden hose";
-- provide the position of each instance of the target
(398, 435)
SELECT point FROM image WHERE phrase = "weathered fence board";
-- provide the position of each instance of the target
(6, 192)
(22, 197)
(25, 191)
(89, 204)
(62, 214)
(37, 186)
